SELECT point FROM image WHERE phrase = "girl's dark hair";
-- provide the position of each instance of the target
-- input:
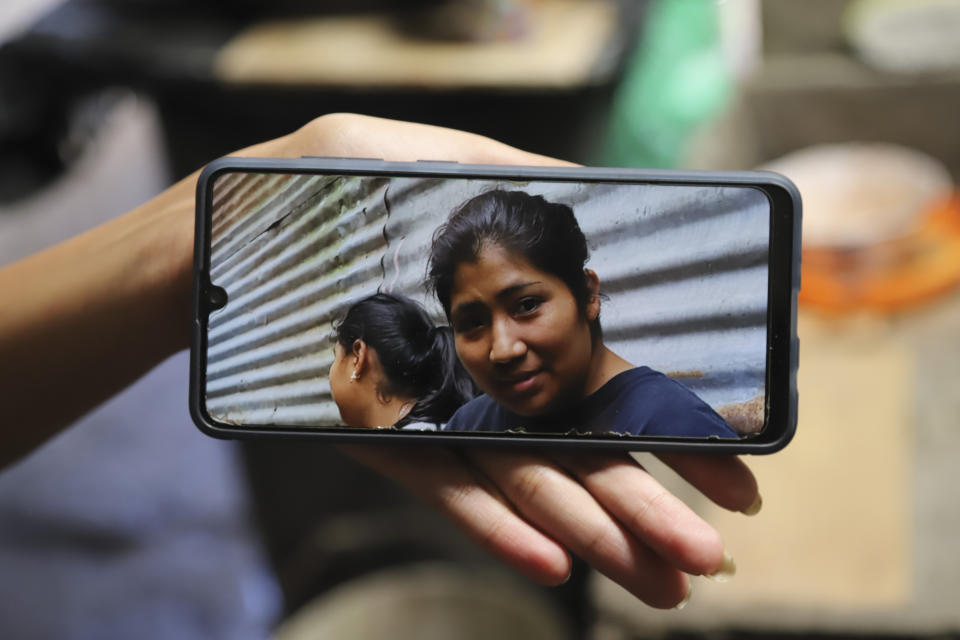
(545, 233)
(418, 358)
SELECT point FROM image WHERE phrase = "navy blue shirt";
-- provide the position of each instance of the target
(639, 401)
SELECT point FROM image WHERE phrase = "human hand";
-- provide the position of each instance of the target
(116, 301)
(531, 508)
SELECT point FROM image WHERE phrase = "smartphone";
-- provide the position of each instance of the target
(359, 300)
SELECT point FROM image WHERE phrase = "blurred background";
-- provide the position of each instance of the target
(133, 524)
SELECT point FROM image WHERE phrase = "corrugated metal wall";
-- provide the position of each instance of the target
(685, 270)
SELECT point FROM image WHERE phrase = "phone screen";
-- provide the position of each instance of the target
(487, 305)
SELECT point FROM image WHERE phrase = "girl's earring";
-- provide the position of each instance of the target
(354, 377)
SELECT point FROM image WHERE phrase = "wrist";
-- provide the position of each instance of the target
(161, 263)
(168, 244)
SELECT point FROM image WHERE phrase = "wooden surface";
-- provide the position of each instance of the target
(565, 45)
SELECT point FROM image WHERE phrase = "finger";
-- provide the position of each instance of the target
(443, 480)
(346, 134)
(563, 509)
(654, 515)
(724, 479)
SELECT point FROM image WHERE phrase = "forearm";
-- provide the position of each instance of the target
(85, 318)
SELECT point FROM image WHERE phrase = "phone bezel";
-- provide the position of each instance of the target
(783, 287)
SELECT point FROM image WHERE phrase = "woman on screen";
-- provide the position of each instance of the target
(508, 269)
(393, 367)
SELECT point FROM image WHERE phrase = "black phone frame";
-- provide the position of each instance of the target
(783, 287)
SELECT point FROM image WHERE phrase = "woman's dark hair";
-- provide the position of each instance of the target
(418, 357)
(545, 233)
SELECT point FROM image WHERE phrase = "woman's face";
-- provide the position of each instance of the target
(519, 333)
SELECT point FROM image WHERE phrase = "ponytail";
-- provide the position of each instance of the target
(418, 358)
(452, 386)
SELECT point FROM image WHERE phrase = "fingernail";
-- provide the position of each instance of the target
(726, 571)
(686, 598)
(754, 507)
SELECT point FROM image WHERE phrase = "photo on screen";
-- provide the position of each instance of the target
(466, 304)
